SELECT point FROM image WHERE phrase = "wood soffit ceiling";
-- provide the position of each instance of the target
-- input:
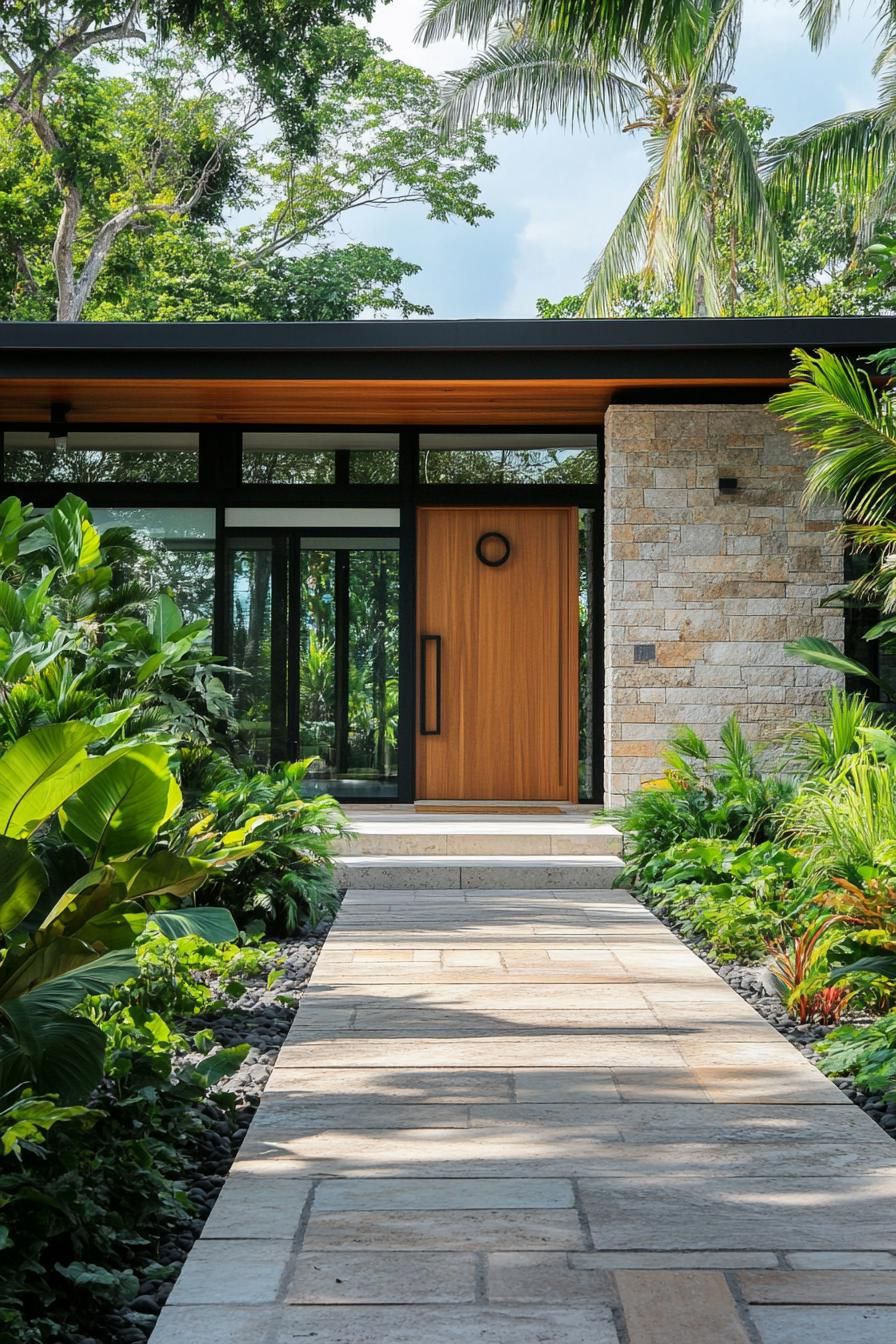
(510, 401)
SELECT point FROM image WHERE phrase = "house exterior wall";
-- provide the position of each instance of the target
(717, 583)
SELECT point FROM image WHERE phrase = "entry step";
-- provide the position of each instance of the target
(548, 872)
(436, 836)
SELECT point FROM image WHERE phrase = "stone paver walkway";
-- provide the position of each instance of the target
(508, 1117)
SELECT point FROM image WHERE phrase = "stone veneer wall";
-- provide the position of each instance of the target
(716, 582)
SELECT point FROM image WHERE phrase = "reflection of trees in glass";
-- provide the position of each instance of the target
(317, 658)
(251, 643)
(508, 466)
(369, 586)
(88, 466)
(373, 661)
(587, 579)
(373, 467)
(186, 569)
(292, 467)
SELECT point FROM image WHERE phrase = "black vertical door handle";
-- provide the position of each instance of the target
(425, 641)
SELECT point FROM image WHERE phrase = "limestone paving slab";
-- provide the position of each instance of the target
(234, 1271)
(455, 1229)
(278, 1111)
(824, 1325)
(370, 1194)
(514, 1115)
(713, 1211)
(546, 1277)
(380, 1276)
(725, 1260)
(452, 1325)
(820, 1286)
(258, 1207)
(667, 1122)
(376, 1087)
(614, 1046)
(841, 1260)
(696, 1305)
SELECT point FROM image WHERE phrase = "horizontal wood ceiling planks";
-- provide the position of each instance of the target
(334, 401)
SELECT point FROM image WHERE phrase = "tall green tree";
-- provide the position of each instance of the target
(702, 197)
(377, 146)
(212, 71)
(822, 276)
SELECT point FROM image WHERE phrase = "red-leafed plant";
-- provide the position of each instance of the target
(800, 968)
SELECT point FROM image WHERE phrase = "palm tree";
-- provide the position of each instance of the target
(668, 78)
(853, 155)
(849, 424)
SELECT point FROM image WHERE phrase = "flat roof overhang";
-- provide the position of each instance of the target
(510, 372)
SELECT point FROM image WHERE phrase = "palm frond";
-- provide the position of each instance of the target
(535, 80)
(835, 409)
(850, 154)
(623, 254)
(820, 18)
(749, 203)
(470, 19)
(616, 26)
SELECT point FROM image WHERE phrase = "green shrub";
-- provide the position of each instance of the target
(845, 825)
(866, 1052)
(287, 881)
(729, 798)
(88, 1193)
(733, 897)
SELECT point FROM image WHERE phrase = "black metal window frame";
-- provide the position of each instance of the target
(220, 487)
(285, 612)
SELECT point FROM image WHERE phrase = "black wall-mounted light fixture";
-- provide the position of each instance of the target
(59, 424)
(727, 485)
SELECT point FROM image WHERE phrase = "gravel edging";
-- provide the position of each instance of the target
(261, 1020)
(754, 984)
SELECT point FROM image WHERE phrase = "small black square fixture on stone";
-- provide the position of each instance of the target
(645, 653)
(727, 485)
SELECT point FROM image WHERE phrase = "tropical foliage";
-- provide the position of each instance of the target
(721, 222)
(848, 425)
(792, 867)
(130, 836)
(137, 142)
(702, 204)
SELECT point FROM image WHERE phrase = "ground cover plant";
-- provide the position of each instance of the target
(140, 863)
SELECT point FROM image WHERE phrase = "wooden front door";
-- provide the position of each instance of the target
(497, 713)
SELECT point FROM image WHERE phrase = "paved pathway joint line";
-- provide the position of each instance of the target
(534, 1117)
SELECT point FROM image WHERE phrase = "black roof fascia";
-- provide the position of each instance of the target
(678, 348)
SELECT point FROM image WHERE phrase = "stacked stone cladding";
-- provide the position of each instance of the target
(716, 582)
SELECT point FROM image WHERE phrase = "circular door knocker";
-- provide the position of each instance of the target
(482, 543)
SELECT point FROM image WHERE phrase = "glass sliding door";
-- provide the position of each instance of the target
(257, 581)
(348, 664)
(314, 634)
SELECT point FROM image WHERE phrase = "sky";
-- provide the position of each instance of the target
(557, 194)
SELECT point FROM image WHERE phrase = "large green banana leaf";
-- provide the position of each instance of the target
(40, 771)
(22, 879)
(120, 810)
